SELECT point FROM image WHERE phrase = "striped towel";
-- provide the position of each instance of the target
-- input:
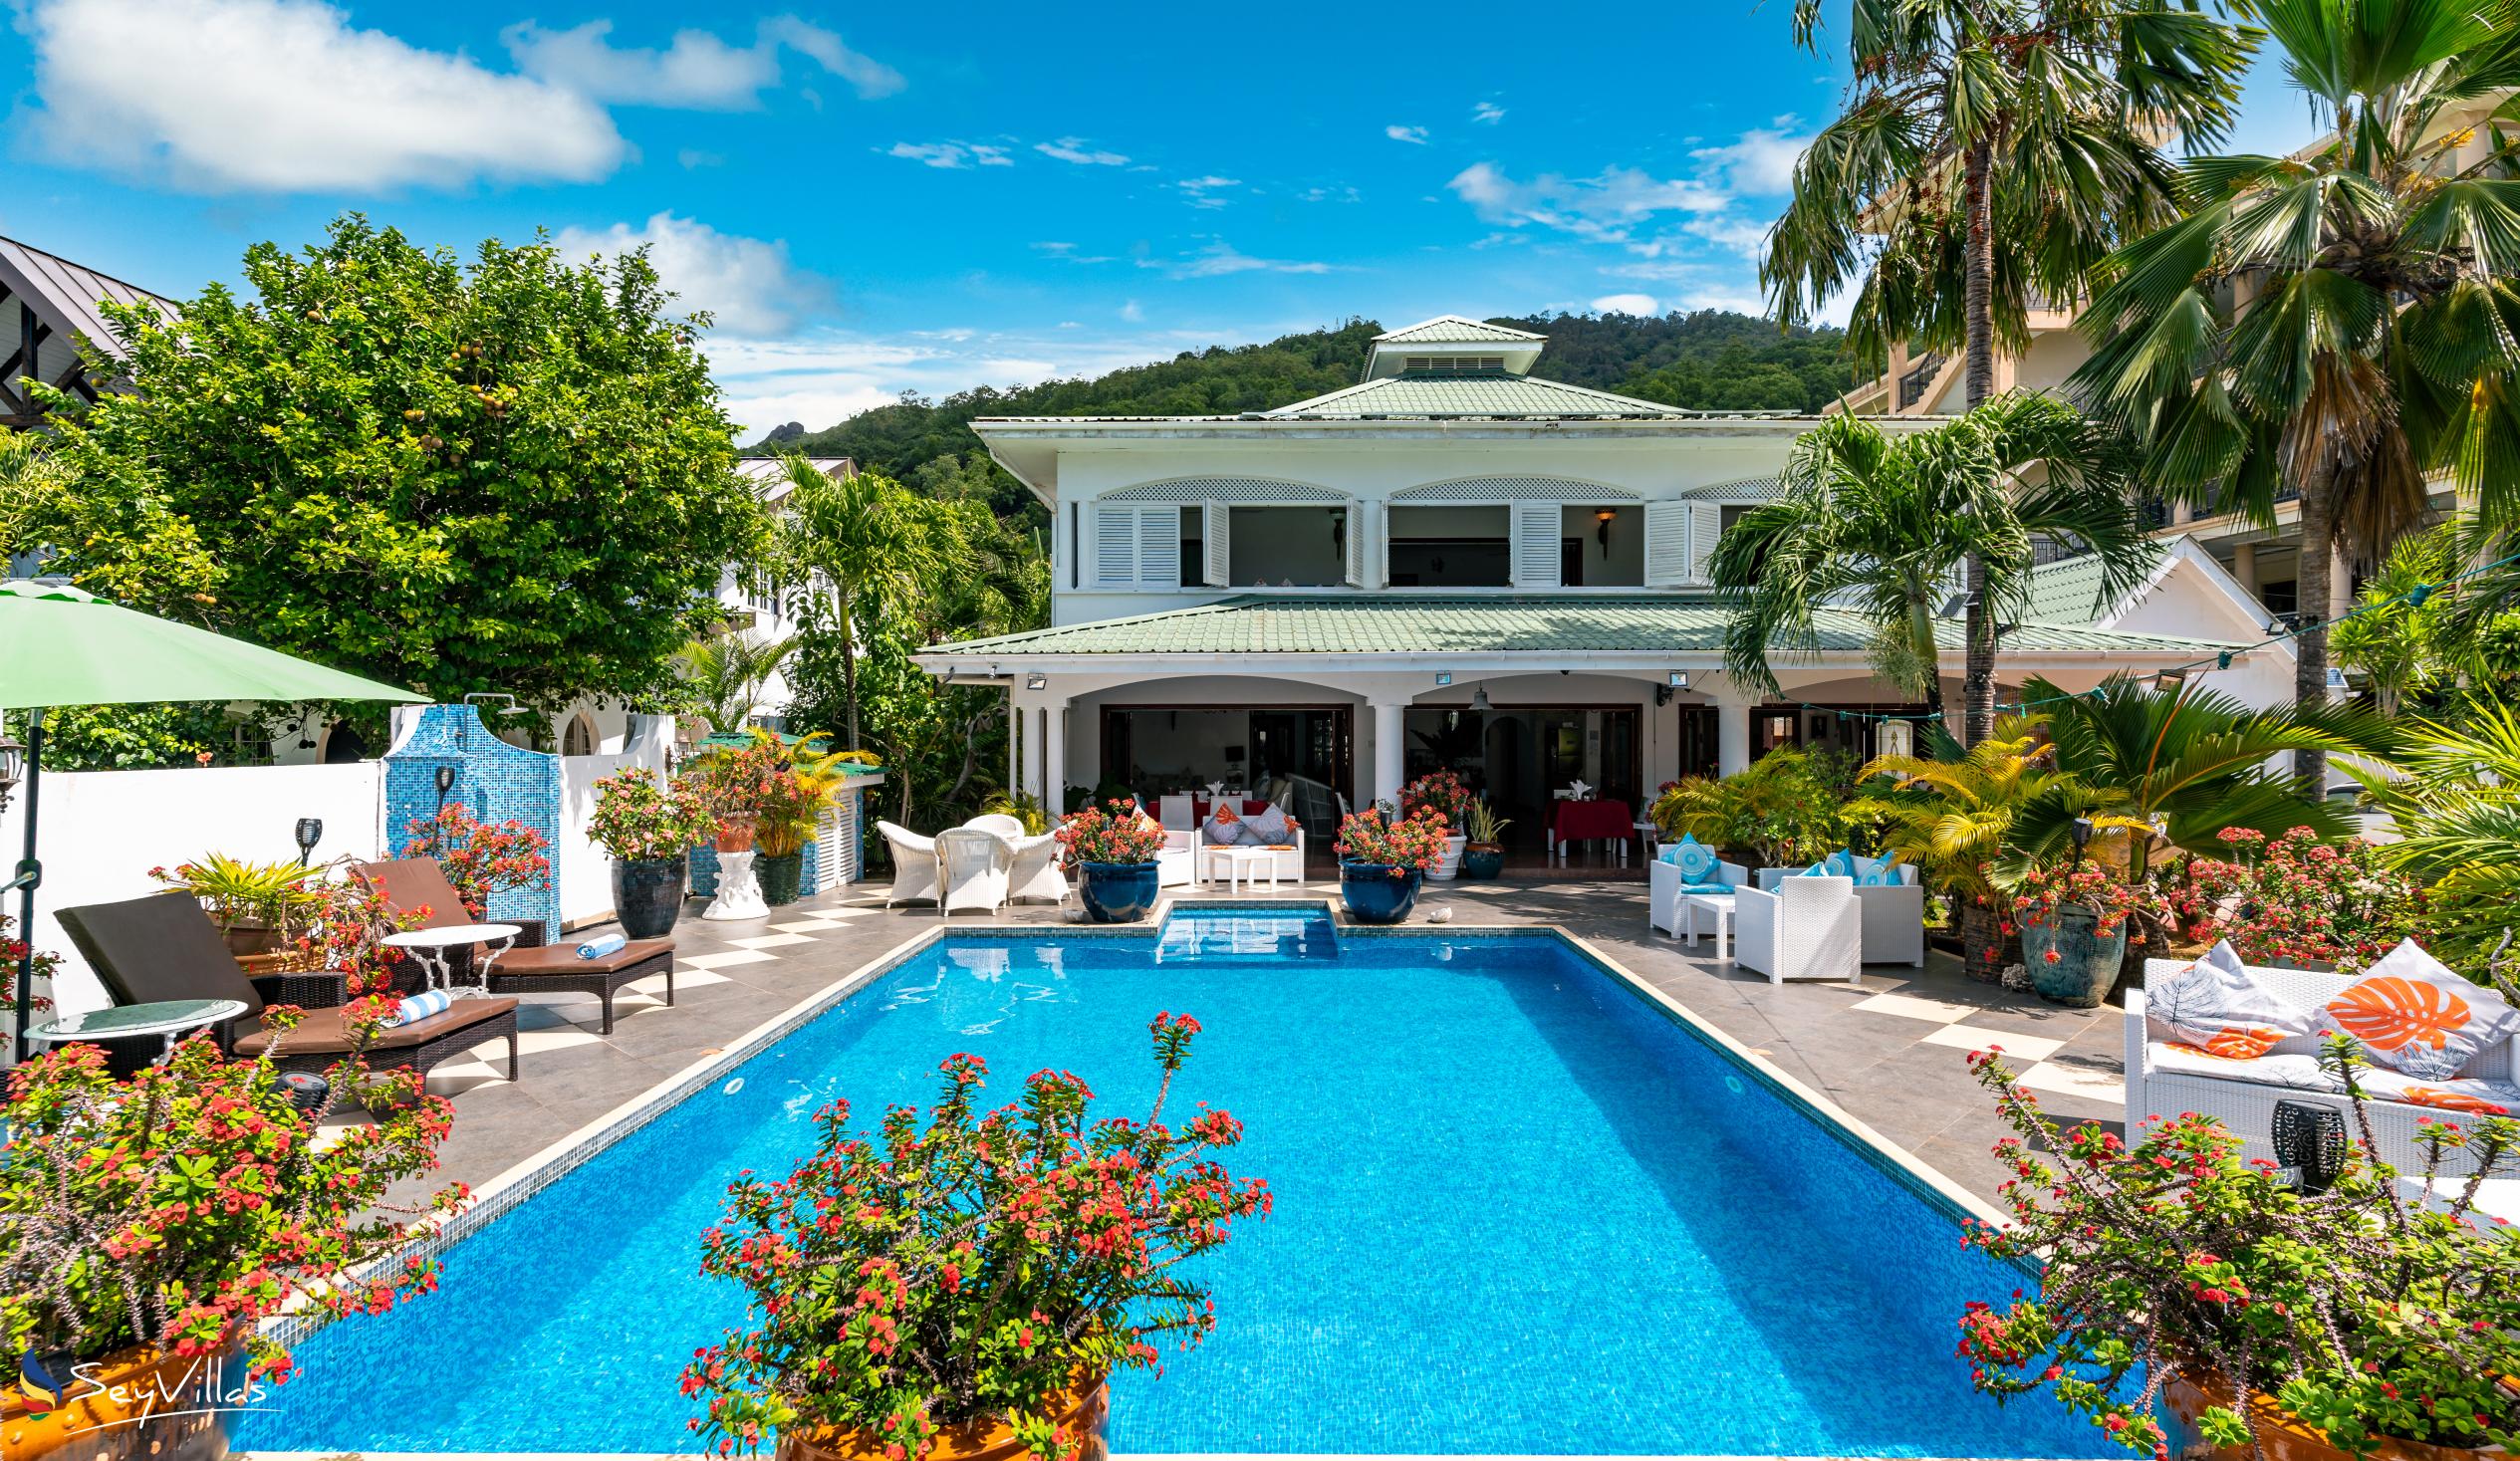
(596, 948)
(419, 1007)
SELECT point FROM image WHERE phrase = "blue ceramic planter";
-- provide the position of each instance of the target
(2086, 960)
(1375, 895)
(1118, 892)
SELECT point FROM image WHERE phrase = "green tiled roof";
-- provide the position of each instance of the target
(1391, 623)
(2067, 592)
(1456, 330)
(1493, 394)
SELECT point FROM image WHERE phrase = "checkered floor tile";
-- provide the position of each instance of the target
(2038, 1052)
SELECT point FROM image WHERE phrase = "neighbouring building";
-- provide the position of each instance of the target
(1453, 562)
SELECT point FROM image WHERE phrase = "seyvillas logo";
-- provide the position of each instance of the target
(208, 1386)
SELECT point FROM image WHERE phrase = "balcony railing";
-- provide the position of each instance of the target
(1912, 385)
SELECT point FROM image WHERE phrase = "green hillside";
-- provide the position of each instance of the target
(1711, 361)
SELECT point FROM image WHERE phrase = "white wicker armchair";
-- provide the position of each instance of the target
(972, 863)
(1807, 929)
(2164, 1080)
(1663, 891)
(1894, 914)
(913, 864)
(1035, 871)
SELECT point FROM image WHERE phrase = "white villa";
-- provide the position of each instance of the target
(1455, 561)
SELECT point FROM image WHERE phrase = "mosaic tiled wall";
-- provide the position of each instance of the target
(493, 780)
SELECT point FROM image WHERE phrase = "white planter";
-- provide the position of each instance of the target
(1450, 865)
(738, 890)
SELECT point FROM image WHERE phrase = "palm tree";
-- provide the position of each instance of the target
(2184, 764)
(2338, 321)
(728, 672)
(866, 538)
(2456, 811)
(1953, 814)
(1884, 526)
(1996, 148)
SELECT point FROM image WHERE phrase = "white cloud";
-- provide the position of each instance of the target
(695, 157)
(1761, 163)
(1626, 304)
(1132, 312)
(1741, 236)
(1487, 111)
(1221, 258)
(287, 96)
(1400, 133)
(1199, 189)
(697, 70)
(1339, 195)
(1074, 149)
(952, 155)
(747, 285)
(1606, 208)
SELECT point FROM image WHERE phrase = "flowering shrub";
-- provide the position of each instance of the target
(43, 965)
(2296, 897)
(734, 782)
(2085, 885)
(477, 858)
(2363, 1312)
(1414, 842)
(637, 820)
(347, 924)
(974, 1269)
(1439, 792)
(1114, 832)
(182, 1206)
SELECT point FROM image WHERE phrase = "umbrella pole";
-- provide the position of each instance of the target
(30, 873)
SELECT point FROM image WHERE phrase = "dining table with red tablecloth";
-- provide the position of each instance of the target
(1604, 817)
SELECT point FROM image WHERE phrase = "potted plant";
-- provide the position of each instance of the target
(150, 1225)
(481, 858)
(1441, 793)
(2353, 1320)
(733, 782)
(2073, 920)
(803, 780)
(254, 903)
(965, 1291)
(1381, 863)
(648, 829)
(1112, 850)
(1482, 856)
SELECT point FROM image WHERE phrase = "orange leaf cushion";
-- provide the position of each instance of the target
(2416, 1016)
(2217, 1006)
(2474, 1097)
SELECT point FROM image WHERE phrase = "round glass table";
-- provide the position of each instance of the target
(435, 948)
(171, 1018)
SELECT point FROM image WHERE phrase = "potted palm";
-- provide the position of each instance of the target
(1482, 856)
(1441, 793)
(965, 1291)
(648, 829)
(150, 1225)
(255, 905)
(1113, 849)
(1382, 863)
(2356, 1320)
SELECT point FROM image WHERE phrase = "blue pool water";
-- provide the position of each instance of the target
(1519, 1210)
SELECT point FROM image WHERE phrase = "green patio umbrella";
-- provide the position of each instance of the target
(61, 646)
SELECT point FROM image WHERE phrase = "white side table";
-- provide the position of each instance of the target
(738, 890)
(1243, 865)
(433, 946)
(1718, 905)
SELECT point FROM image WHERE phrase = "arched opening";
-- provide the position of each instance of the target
(344, 744)
(579, 738)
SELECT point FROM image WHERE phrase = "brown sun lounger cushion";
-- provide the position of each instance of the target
(562, 958)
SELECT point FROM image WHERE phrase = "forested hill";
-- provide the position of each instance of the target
(1712, 361)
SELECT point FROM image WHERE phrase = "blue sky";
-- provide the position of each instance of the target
(903, 197)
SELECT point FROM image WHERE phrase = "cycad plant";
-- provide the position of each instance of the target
(1953, 814)
(1884, 526)
(2456, 809)
(727, 672)
(1989, 152)
(2342, 321)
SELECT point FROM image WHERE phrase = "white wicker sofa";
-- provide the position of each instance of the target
(2165, 1079)
(1892, 913)
(1662, 887)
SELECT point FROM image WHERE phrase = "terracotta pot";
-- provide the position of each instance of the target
(1087, 1411)
(2284, 1438)
(112, 1411)
(247, 936)
(734, 836)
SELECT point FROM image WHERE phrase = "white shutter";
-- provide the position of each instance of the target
(1706, 525)
(1666, 544)
(1536, 535)
(1216, 524)
(1115, 535)
(1356, 545)
(1159, 547)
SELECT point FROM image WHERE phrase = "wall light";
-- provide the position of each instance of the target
(1680, 680)
(1601, 534)
(1442, 677)
(1036, 681)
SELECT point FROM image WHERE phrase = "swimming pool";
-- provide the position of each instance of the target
(1520, 1210)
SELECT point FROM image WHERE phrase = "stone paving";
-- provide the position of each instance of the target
(1890, 1052)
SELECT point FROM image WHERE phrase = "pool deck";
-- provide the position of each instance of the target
(1892, 1052)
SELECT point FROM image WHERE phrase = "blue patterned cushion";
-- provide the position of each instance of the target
(1694, 858)
(1820, 868)
(1706, 888)
(1845, 863)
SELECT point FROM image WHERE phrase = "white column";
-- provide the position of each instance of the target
(1732, 736)
(2244, 565)
(1388, 744)
(1054, 757)
(2340, 586)
(1014, 744)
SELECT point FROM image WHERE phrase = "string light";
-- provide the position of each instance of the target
(2412, 597)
